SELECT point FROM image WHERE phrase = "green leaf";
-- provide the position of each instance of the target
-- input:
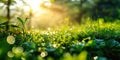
(15, 26)
(4, 23)
(26, 19)
(2, 26)
(19, 19)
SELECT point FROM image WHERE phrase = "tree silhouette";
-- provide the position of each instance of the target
(8, 14)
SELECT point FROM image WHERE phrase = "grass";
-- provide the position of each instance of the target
(89, 41)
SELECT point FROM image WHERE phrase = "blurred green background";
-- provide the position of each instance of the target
(53, 13)
(59, 29)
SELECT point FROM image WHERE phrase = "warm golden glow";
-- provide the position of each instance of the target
(35, 4)
(44, 13)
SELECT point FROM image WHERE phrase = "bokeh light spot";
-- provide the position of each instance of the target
(10, 54)
(17, 50)
(10, 40)
(43, 54)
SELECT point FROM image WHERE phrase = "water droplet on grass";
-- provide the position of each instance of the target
(43, 54)
(54, 45)
(95, 58)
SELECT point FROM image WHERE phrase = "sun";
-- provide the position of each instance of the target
(35, 4)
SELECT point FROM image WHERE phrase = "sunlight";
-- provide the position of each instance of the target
(47, 3)
(39, 9)
(35, 4)
(1, 4)
(26, 8)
